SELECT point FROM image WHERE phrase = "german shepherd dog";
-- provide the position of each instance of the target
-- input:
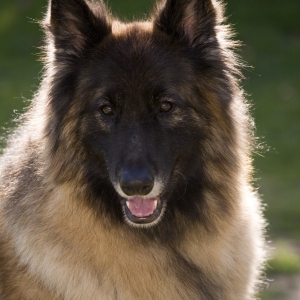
(129, 176)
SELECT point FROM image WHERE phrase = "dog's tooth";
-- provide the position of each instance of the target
(155, 204)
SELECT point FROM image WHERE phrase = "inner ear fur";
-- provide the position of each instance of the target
(191, 21)
(75, 24)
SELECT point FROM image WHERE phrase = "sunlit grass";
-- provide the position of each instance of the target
(286, 259)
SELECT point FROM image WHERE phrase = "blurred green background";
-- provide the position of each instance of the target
(270, 31)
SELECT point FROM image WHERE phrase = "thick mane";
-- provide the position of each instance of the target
(130, 175)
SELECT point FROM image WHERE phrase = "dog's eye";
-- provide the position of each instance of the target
(107, 110)
(165, 106)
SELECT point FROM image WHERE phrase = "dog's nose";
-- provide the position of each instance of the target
(136, 182)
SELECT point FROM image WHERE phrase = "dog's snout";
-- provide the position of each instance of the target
(136, 182)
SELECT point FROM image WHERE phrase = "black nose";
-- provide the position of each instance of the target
(136, 182)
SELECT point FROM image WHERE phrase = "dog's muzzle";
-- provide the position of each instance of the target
(141, 199)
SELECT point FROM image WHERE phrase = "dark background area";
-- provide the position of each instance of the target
(270, 32)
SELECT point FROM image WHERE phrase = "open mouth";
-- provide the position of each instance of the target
(141, 210)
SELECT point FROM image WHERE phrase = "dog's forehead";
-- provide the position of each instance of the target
(137, 57)
(139, 45)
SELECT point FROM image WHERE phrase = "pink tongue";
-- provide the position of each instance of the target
(141, 207)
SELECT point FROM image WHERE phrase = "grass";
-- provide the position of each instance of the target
(19, 69)
(270, 32)
(286, 259)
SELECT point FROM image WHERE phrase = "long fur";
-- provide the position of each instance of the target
(63, 232)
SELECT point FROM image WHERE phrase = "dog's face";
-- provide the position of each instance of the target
(139, 119)
(136, 93)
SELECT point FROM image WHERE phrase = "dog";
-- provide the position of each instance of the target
(130, 174)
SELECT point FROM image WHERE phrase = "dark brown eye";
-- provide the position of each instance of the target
(165, 106)
(107, 110)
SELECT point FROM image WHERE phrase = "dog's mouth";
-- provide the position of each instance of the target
(141, 210)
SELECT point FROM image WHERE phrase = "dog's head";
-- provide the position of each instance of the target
(140, 109)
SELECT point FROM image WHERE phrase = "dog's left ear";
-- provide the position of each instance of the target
(74, 25)
(190, 21)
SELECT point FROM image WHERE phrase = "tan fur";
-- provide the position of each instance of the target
(72, 260)
(53, 245)
(71, 254)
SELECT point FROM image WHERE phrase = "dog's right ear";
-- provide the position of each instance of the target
(74, 25)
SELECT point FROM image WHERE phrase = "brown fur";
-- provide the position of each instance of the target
(81, 258)
(56, 244)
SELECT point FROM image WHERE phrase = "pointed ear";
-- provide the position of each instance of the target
(191, 21)
(76, 24)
